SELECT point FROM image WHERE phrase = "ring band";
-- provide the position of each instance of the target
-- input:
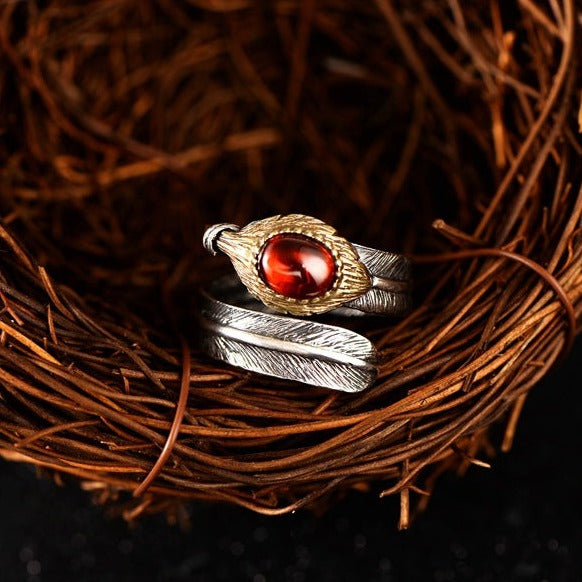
(297, 264)
(238, 330)
(389, 293)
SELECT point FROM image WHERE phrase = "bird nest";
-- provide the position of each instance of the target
(447, 132)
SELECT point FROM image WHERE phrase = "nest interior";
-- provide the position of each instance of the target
(447, 132)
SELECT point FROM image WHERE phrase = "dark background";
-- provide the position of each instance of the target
(521, 520)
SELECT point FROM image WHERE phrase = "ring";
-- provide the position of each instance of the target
(297, 264)
(238, 330)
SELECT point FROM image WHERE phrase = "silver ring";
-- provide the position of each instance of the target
(240, 331)
(297, 264)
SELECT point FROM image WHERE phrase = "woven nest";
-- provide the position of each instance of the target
(446, 132)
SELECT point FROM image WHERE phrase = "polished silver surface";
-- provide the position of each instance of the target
(241, 331)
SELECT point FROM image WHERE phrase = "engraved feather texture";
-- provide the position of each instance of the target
(289, 366)
(384, 264)
(309, 333)
(311, 352)
(243, 247)
(378, 301)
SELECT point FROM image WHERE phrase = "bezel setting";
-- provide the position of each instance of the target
(244, 247)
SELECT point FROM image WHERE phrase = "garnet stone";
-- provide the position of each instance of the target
(296, 266)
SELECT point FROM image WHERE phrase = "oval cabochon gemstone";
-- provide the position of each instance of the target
(297, 266)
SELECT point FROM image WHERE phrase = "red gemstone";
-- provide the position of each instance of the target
(297, 266)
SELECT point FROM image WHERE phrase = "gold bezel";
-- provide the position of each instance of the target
(243, 247)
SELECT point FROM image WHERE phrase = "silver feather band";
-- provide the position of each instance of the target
(241, 331)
